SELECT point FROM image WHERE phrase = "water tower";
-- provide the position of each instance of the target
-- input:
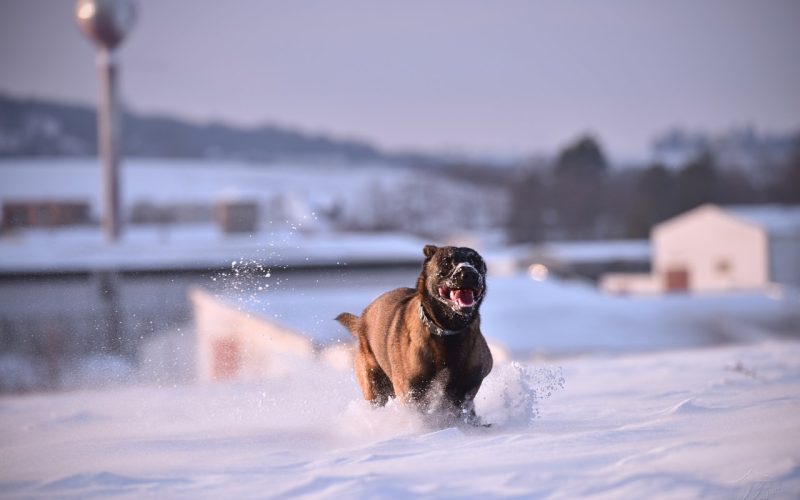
(106, 22)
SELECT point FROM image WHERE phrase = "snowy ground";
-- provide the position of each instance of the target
(628, 400)
(611, 397)
(199, 246)
(718, 423)
(169, 180)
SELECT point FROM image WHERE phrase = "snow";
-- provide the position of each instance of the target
(195, 247)
(169, 181)
(548, 318)
(316, 195)
(576, 252)
(573, 317)
(775, 220)
(525, 319)
(715, 422)
(604, 396)
(632, 398)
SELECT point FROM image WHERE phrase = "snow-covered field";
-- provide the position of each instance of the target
(630, 400)
(311, 196)
(636, 403)
(602, 396)
(167, 180)
(718, 423)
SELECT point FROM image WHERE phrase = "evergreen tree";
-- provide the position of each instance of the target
(525, 223)
(786, 188)
(656, 200)
(698, 182)
(582, 160)
(579, 191)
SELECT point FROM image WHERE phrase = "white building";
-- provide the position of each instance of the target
(713, 248)
(232, 344)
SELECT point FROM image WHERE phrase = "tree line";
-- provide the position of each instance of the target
(580, 196)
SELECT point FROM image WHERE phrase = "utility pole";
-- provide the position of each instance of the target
(106, 22)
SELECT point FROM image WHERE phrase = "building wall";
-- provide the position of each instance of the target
(232, 344)
(44, 213)
(630, 283)
(784, 255)
(716, 250)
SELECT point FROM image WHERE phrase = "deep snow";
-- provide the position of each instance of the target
(718, 423)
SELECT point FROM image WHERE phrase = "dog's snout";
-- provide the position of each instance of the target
(463, 272)
(466, 273)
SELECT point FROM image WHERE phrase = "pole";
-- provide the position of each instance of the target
(108, 142)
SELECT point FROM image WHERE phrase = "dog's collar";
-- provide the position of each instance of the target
(434, 328)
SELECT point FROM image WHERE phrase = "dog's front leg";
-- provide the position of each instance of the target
(413, 392)
(464, 407)
(468, 415)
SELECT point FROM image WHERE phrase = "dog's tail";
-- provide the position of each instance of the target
(350, 322)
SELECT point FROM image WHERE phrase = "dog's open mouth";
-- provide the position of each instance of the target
(462, 297)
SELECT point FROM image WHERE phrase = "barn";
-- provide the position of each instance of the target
(720, 248)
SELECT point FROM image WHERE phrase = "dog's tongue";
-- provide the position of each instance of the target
(465, 298)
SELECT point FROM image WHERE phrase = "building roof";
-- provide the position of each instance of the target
(775, 219)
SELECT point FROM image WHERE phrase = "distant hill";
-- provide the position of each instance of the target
(43, 128)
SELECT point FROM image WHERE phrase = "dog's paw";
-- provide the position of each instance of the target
(473, 420)
(475, 427)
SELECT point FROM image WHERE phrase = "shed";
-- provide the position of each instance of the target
(720, 248)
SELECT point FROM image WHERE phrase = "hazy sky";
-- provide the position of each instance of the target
(478, 76)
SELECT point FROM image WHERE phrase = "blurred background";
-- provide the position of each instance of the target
(630, 171)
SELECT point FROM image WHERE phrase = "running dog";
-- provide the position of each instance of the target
(424, 345)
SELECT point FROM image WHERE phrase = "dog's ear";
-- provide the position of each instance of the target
(429, 250)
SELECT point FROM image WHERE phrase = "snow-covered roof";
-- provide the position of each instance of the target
(775, 219)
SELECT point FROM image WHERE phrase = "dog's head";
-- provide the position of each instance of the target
(452, 284)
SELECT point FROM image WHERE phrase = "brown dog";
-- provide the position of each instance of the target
(414, 342)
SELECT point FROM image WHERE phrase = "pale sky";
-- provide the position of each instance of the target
(473, 76)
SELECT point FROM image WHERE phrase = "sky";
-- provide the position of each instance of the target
(505, 78)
